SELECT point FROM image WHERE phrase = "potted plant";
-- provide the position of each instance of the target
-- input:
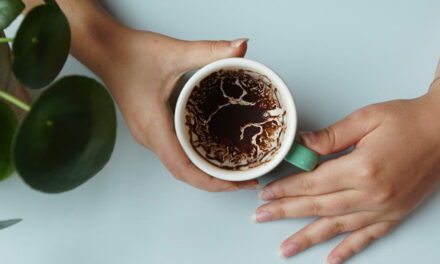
(67, 135)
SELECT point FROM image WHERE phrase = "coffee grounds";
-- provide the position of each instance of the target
(235, 119)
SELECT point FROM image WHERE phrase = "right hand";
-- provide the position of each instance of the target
(141, 73)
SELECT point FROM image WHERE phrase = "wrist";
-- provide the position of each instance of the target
(94, 32)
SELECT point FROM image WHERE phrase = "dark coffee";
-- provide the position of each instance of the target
(235, 119)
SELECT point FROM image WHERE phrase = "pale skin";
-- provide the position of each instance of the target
(394, 166)
(366, 192)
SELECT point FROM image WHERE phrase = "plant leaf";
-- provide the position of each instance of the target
(8, 121)
(41, 46)
(67, 137)
(8, 223)
(8, 125)
(9, 10)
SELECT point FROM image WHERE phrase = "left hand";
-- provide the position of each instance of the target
(395, 165)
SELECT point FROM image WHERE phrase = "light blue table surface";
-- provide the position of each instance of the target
(336, 56)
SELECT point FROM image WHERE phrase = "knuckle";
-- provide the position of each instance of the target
(384, 228)
(334, 226)
(211, 184)
(351, 251)
(210, 188)
(186, 164)
(141, 130)
(277, 190)
(177, 169)
(368, 169)
(378, 234)
(315, 208)
(306, 240)
(331, 139)
(386, 194)
(368, 240)
(176, 173)
(279, 209)
(399, 213)
(141, 137)
(307, 185)
(361, 243)
(375, 235)
(339, 227)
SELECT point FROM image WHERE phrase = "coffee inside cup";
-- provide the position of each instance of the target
(235, 119)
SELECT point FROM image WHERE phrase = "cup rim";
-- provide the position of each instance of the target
(286, 99)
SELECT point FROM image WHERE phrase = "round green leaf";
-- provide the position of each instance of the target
(67, 137)
(9, 10)
(8, 124)
(8, 223)
(41, 46)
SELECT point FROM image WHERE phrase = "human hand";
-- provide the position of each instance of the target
(394, 166)
(141, 70)
(142, 75)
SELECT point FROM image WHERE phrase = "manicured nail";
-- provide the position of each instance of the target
(308, 138)
(238, 42)
(280, 254)
(232, 189)
(266, 195)
(262, 216)
(288, 250)
(336, 260)
(254, 218)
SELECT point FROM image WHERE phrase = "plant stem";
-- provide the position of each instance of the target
(15, 101)
(3, 40)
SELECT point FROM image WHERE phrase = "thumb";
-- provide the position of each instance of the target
(341, 135)
(200, 53)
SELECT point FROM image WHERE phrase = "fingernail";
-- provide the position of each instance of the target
(335, 261)
(238, 42)
(280, 254)
(231, 189)
(308, 138)
(266, 195)
(262, 216)
(288, 250)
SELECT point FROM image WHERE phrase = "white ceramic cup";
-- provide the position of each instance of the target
(286, 101)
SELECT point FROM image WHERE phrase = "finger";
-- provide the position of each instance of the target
(200, 53)
(358, 240)
(307, 206)
(331, 176)
(342, 134)
(323, 229)
(174, 158)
